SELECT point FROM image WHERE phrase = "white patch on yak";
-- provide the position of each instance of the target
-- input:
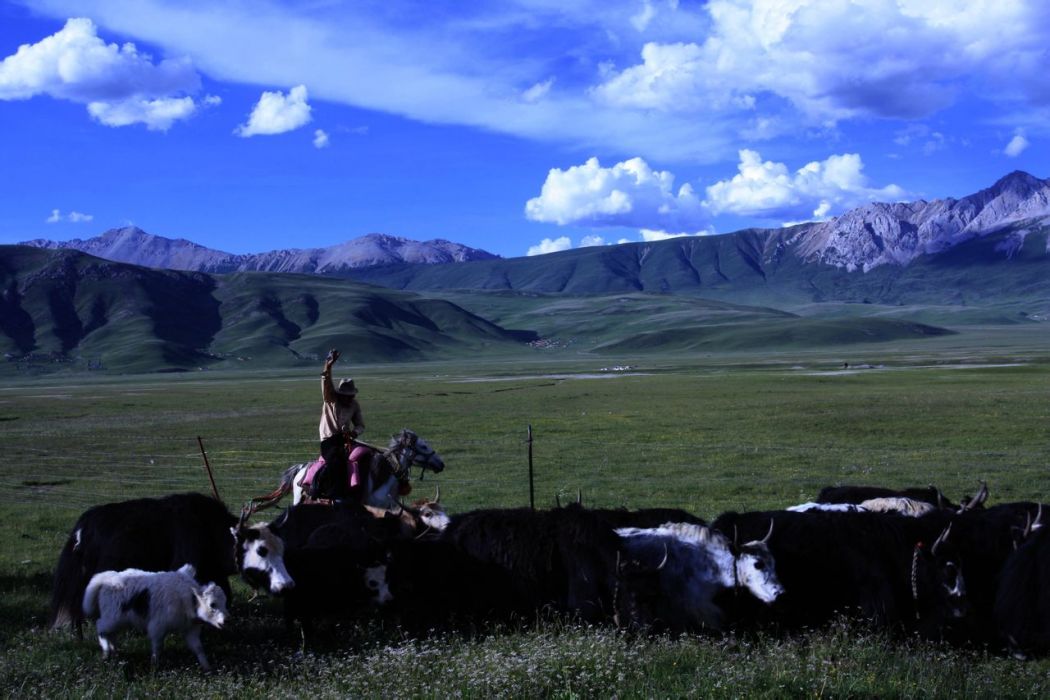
(700, 561)
(375, 582)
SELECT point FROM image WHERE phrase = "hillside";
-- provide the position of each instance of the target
(760, 268)
(66, 309)
(58, 306)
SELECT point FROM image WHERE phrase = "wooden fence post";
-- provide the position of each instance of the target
(532, 490)
(207, 466)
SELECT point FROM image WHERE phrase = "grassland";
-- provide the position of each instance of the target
(705, 432)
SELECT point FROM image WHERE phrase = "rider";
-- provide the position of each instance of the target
(341, 422)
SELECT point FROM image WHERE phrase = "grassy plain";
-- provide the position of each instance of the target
(705, 432)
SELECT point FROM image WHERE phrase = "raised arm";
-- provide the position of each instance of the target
(327, 388)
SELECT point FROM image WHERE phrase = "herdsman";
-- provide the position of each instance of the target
(341, 422)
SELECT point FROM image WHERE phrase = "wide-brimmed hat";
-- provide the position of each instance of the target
(347, 388)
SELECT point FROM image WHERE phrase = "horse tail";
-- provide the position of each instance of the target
(288, 478)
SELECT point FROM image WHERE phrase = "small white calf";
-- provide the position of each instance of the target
(156, 603)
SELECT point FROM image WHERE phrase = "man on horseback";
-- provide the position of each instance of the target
(341, 422)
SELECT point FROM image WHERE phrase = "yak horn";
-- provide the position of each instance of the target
(978, 498)
(982, 495)
(579, 497)
(940, 496)
(765, 540)
(943, 537)
(663, 562)
(1036, 524)
(437, 494)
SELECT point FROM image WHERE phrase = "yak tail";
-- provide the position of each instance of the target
(68, 584)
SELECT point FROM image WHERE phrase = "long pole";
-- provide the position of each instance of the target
(532, 490)
(207, 466)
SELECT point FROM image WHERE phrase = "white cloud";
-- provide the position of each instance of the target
(627, 194)
(74, 217)
(835, 59)
(650, 235)
(548, 245)
(276, 113)
(120, 85)
(320, 139)
(592, 241)
(644, 16)
(768, 189)
(1017, 145)
(157, 115)
(538, 91)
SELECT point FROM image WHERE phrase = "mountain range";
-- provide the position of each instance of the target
(133, 245)
(985, 256)
(861, 239)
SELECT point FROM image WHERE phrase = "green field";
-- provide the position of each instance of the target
(705, 432)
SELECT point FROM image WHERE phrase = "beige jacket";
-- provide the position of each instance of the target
(337, 416)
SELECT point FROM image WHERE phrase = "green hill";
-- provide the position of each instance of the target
(60, 306)
(756, 267)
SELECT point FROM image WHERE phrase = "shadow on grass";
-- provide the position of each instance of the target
(22, 602)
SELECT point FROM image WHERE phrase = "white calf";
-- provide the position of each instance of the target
(156, 603)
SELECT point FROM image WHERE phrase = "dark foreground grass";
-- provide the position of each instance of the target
(707, 436)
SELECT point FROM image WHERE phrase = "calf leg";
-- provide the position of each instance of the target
(193, 641)
(104, 631)
(157, 634)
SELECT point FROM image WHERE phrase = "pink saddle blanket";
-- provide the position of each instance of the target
(354, 473)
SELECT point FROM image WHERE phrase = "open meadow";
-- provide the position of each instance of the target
(707, 433)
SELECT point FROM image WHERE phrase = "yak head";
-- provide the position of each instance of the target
(756, 570)
(260, 558)
(937, 582)
(376, 585)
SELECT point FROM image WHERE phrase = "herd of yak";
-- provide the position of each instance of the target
(908, 560)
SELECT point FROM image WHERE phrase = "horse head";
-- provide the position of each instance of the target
(412, 450)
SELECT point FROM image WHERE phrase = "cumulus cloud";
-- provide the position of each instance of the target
(769, 190)
(74, 217)
(1017, 145)
(320, 139)
(548, 245)
(592, 241)
(157, 115)
(629, 193)
(277, 113)
(834, 59)
(119, 84)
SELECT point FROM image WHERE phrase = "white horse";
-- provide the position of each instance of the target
(385, 472)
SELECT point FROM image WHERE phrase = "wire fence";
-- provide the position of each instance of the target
(494, 470)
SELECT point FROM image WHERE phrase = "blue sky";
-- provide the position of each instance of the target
(519, 126)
